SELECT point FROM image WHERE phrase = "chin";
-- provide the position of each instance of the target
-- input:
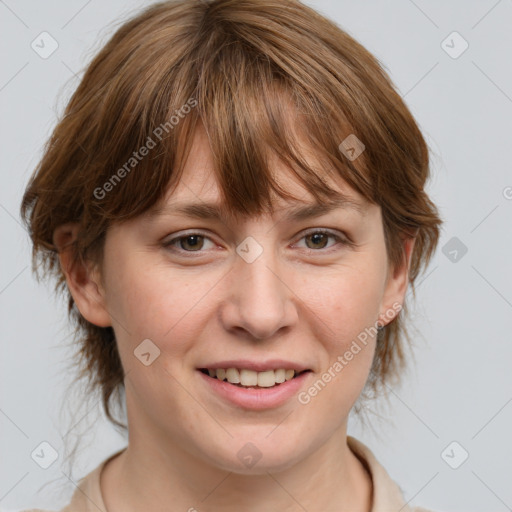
(258, 453)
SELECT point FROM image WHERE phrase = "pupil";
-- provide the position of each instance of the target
(318, 238)
(194, 239)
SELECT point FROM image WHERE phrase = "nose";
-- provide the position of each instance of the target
(260, 301)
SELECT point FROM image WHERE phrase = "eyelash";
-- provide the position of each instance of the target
(340, 240)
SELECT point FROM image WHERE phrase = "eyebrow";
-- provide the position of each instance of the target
(214, 211)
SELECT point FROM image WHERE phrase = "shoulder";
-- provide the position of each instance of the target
(65, 509)
(38, 510)
(387, 495)
(87, 496)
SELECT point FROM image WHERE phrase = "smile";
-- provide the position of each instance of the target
(243, 377)
(263, 387)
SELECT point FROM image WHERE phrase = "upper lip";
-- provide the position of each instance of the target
(257, 366)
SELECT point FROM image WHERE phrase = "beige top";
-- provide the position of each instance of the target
(387, 496)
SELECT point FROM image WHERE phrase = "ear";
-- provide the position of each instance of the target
(83, 280)
(396, 286)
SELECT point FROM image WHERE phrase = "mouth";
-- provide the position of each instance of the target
(251, 379)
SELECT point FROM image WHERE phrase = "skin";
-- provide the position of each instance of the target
(297, 302)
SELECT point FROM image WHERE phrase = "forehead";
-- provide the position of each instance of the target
(198, 194)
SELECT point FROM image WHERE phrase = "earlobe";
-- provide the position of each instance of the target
(83, 279)
(397, 283)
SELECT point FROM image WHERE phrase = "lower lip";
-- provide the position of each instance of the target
(256, 399)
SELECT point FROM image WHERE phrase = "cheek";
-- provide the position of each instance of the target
(151, 302)
(349, 348)
(345, 308)
(346, 300)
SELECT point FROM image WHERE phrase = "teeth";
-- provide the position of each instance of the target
(233, 375)
(245, 377)
(280, 376)
(266, 379)
(248, 378)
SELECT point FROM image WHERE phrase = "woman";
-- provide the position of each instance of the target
(234, 203)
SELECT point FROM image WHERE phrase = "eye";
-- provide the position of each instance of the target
(191, 242)
(319, 239)
(315, 240)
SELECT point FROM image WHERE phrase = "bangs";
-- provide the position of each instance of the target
(254, 110)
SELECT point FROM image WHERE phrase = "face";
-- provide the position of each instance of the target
(248, 295)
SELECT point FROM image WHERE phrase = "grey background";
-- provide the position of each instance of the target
(459, 389)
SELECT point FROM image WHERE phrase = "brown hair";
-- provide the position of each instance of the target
(246, 69)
